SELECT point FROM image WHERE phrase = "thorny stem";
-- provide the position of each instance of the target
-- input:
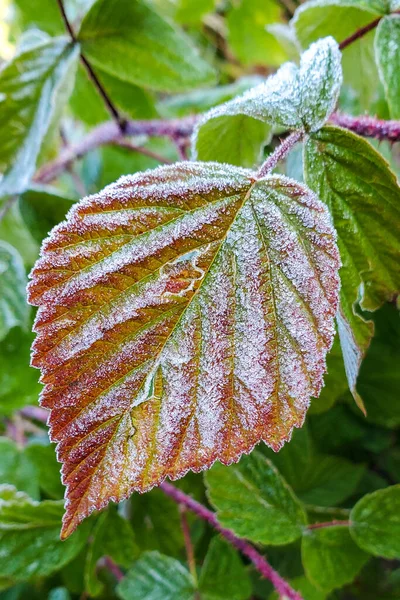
(369, 126)
(260, 563)
(92, 75)
(328, 524)
(363, 31)
(280, 153)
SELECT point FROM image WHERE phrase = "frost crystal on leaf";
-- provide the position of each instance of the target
(184, 315)
(294, 98)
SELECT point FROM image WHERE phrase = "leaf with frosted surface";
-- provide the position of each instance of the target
(184, 315)
(363, 197)
(387, 52)
(295, 98)
(29, 85)
(14, 311)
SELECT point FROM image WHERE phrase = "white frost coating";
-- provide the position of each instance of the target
(187, 342)
(295, 97)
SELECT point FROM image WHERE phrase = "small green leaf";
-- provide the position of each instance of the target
(30, 536)
(330, 557)
(29, 86)
(253, 500)
(248, 37)
(387, 43)
(113, 537)
(293, 98)
(41, 209)
(375, 523)
(223, 576)
(43, 456)
(341, 18)
(14, 309)
(130, 41)
(17, 469)
(363, 196)
(157, 577)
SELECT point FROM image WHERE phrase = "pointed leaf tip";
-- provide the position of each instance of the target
(184, 316)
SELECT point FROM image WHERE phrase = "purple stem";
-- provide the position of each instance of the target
(280, 153)
(281, 586)
(369, 126)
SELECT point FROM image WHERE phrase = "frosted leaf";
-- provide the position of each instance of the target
(293, 98)
(14, 311)
(184, 315)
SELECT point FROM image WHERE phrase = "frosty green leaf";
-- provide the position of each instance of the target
(387, 51)
(14, 310)
(375, 523)
(129, 40)
(254, 500)
(363, 197)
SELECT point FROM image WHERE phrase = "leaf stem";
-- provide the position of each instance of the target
(328, 524)
(280, 153)
(363, 31)
(260, 563)
(92, 75)
(368, 126)
(113, 568)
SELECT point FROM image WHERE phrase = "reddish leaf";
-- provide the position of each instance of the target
(185, 314)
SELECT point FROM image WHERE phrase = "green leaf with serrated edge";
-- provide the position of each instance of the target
(254, 500)
(223, 575)
(29, 83)
(42, 208)
(316, 478)
(375, 522)
(30, 536)
(236, 140)
(157, 577)
(211, 265)
(363, 197)
(157, 523)
(330, 557)
(307, 590)
(43, 456)
(130, 41)
(293, 98)
(247, 33)
(379, 379)
(14, 310)
(198, 101)
(88, 106)
(341, 18)
(112, 536)
(18, 381)
(17, 469)
(387, 44)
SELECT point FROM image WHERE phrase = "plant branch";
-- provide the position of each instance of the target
(363, 31)
(260, 563)
(280, 153)
(92, 75)
(113, 568)
(369, 126)
(328, 524)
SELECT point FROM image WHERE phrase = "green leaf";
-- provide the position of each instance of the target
(387, 43)
(41, 209)
(248, 37)
(316, 478)
(17, 469)
(363, 196)
(330, 557)
(18, 381)
(293, 98)
(30, 536)
(130, 41)
(253, 500)
(379, 379)
(157, 577)
(113, 537)
(88, 106)
(14, 309)
(341, 18)
(157, 523)
(48, 18)
(192, 11)
(29, 86)
(14, 231)
(43, 456)
(375, 523)
(335, 381)
(223, 575)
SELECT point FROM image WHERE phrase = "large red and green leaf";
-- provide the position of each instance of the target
(184, 315)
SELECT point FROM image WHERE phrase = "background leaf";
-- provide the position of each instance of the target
(387, 42)
(14, 310)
